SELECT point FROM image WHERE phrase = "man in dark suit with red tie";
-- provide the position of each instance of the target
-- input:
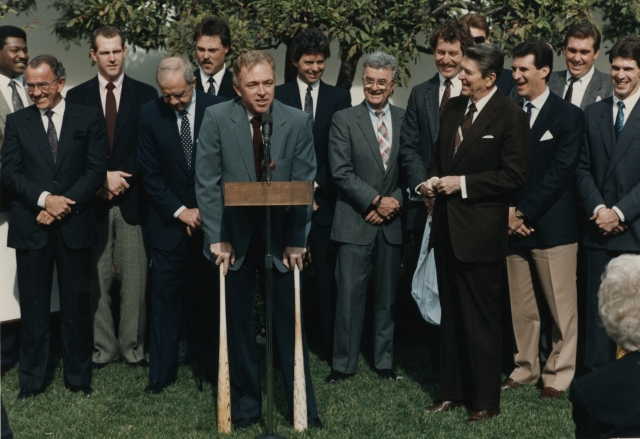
(54, 161)
(309, 93)
(480, 157)
(213, 40)
(121, 204)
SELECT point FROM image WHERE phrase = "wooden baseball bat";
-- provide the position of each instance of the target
(299, 385)
(224, 386)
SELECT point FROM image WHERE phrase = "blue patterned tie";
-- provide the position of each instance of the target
(308, 104)
(185, 137)
(52, 135)
(619, 119)
(212, 86)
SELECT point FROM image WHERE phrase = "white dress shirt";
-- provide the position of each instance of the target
(117, 91)
(58, 113)
(537, 105)
(315, 89)
(7, 91)
(579, 87)
(191, 115)
(217, 79)
(456, 87)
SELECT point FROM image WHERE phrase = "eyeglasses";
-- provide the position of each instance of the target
(479, 40)
(381, 83)
(43, 86)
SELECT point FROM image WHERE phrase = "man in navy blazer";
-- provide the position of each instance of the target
(542, 258)
(54, 160)
(213, 39)
(307, 92)
(608, 184)
(121, 204)
(169, 128)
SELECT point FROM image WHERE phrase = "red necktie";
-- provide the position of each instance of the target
(446, 95)
(258, 146)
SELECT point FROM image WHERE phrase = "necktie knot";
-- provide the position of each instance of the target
(49, 114)
(472, 109)
(447, 82)
(210, 81)
(620, 105)
(380, 114)
(256, 122)
(110, 86)
(573, 80)
(183, 113)
(309, 89)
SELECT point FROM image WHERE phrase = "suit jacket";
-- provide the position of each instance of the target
(168, 179)
(606, 402)
(226, 89)
(599, 87)
(494, 158)
(124, 154)
(4, 112)
(505, 82)
(29, 170)
(225, 154)
(608, 174)
(547, 200)
(330, 100)
(358, 172)
(419, 131)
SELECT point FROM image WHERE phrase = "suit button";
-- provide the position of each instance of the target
(55, 181)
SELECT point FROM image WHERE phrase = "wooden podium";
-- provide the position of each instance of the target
(269, 194)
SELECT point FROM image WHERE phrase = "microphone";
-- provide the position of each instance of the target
(267, 125)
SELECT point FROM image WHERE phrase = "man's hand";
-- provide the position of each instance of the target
(523, 231)
(58, 206)
(373, 218)
(191, 217)
(44, 219)
(292, 256)
(315, 206)
(607, 220)
(429, 203)
(116, 183)
(514, 222)
(447, 185)
(104, 194)
(224, 253)
(388, 207)
(427, 188)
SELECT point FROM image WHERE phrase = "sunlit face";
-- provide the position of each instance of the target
(310, 67)
(529, 80)
(14, 57)
(473, 84)
(256, 87)
(448, 57)
(580, 55)
(210, 53)
(378, 86)
(625, 76)
(44, 89)
(176, 92)
(109, 55)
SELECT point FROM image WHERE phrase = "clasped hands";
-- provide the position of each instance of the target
(191, 218)
(56, 207)
(388, 208)
(114, 185)
(608, 222)
(517, 225)
(225, 254)
(445, 186)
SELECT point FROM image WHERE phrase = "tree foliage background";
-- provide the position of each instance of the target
(358, 27)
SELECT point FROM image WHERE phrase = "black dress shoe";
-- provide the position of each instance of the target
(388, 374)
(316, 424)
(85, 390)
(141, 363)
(336, 376)
(244, 423)
(27, 393)
(154, 388)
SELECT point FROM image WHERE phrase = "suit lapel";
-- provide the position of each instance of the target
(4, 110)
(396, 122)
(36, 128)
(322, 106)
(172, 135)
(557, 83)
(364, 122)
(277, 138)
(606, 128)
(128, 96)
(433, 107)
(242, 131)
(448, 132)
(631, 127)
(292, 95)
(68, 129)
(593, 88)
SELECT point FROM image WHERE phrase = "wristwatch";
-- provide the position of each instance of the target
(519, 214)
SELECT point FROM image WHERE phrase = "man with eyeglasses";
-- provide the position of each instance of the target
(363, 151)
(54, 161)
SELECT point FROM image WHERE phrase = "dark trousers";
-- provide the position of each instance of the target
(182, 277)
(246, 399)
(35, 278)
(600, 349)
(324, 275)
(470, 328)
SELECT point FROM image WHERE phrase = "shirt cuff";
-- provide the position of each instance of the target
(598, 207)
(619, 212)
(463, 186)
(41, 199)
(179, 211)
(417, 189)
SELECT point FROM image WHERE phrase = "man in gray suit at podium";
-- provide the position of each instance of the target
(230, 149)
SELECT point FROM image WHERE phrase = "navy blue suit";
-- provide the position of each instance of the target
(330, 100)
(178, 265)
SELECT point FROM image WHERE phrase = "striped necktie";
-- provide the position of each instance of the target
(383, 139)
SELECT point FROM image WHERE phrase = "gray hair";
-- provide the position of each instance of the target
(488, 56)
(171, 65)
(56, 66)
(619, 301)
(381, 60)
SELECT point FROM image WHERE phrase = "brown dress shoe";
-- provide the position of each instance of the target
(443, 406)
(551, 393)
(483, 415)
(509, 384)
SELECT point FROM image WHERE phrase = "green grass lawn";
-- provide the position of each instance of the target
(361, 407)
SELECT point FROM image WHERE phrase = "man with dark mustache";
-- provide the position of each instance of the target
(213, 40)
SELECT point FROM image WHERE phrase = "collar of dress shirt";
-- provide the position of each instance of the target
(5, 80)
(629, 102)
(217, 78)
(585, 79)
(456, 84)
(372, 111)
(191, 106)
(58, 109)
(118, 82)
(482, 102)
(303, 85)
(539, 101)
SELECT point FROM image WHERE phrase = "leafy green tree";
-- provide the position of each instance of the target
(15, 6)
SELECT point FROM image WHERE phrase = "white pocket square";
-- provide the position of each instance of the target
(488, 137)
(598, 99)
(546, 136)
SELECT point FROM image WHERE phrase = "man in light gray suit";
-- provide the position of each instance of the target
(235, 236)
(363, 150)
